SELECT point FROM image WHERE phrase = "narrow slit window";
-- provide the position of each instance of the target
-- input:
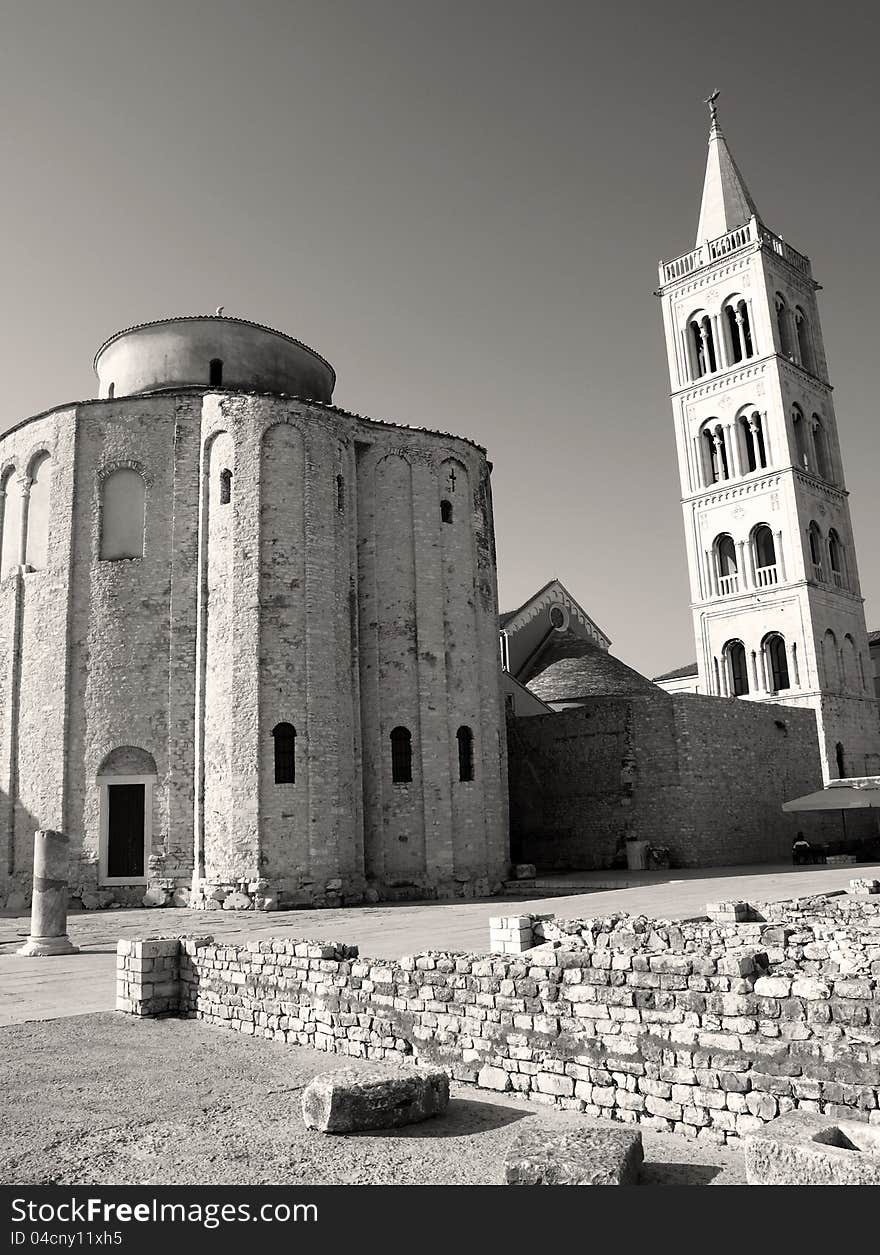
(401, 755)
(225, 486)
(284, 736)
(446, 511)
(340, 493)
(215, 372)
(465, 738)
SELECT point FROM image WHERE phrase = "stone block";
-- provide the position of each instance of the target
(237, 901)
(567, 1154)
(862, 886)
(493, 1078)
(384, 1096)
(806, 1148)
(729, 912)
(524, 871)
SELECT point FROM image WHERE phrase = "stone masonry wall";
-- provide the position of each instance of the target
(329, 592)
(707, 1030)
(703, 776)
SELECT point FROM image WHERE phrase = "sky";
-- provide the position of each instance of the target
(460, 205)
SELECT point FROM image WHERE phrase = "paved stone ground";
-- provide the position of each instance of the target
(39, 989)
(108, 1099)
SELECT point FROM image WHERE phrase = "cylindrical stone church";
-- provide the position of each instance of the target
(248, 640)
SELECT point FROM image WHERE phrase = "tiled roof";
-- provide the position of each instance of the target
(874, 637)
(570, 667)
(679, 673)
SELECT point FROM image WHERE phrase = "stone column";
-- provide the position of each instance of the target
(742, 567)
(734, 464)
(49, 907)
(765, 432)
(780, 559)
(23, 523)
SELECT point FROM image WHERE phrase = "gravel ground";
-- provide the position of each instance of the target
(107, 1099)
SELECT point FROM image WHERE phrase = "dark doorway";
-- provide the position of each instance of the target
(125, 831)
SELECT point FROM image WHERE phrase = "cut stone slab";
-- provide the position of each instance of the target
(729, 912)
(805, 1148)
(385, 1096)
(548, 1154)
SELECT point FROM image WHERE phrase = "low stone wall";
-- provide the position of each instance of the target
(708, 1030)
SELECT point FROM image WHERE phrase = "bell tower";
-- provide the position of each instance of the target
(777, 610)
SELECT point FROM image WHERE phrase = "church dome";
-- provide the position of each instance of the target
(210, 351)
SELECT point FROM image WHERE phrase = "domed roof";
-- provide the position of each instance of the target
(570, 667)
(210, 350)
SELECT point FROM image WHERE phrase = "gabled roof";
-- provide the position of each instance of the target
(569, 667)
(553, 590)
(727, 202)
(874, 637)
(679, 673)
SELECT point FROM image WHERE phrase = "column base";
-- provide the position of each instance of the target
(45, 947)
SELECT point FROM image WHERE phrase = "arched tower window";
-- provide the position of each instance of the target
(725, 557)
(739, 331)
(831, 661)
(850, 663)
(820, 444)
(284, 736)
(837, 558)
(752, 428)
(702, 345)
(804, 339)
(801, 445)
(735, 654)
(445, 511)
(401, 755)
(37, 536)
(815, 539)
(111, 391)
(215, 372)
(715, 453)
(225, 486)
(764, 550)
(841, 761)
(777, 662)
(123, 501)
(783, 326)
(465, 738)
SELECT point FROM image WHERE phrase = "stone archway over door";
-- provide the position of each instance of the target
(126, 780)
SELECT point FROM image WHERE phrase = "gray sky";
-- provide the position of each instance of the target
(462, 206)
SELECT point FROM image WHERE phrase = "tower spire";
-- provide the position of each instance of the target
(727, 202)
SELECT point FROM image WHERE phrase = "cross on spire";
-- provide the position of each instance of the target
(713, 108)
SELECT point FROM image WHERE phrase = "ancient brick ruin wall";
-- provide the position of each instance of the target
(703, 776)
(701, 1029)
(327, 593)
(34, 639)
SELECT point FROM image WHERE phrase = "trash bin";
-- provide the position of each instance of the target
(637, 855)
